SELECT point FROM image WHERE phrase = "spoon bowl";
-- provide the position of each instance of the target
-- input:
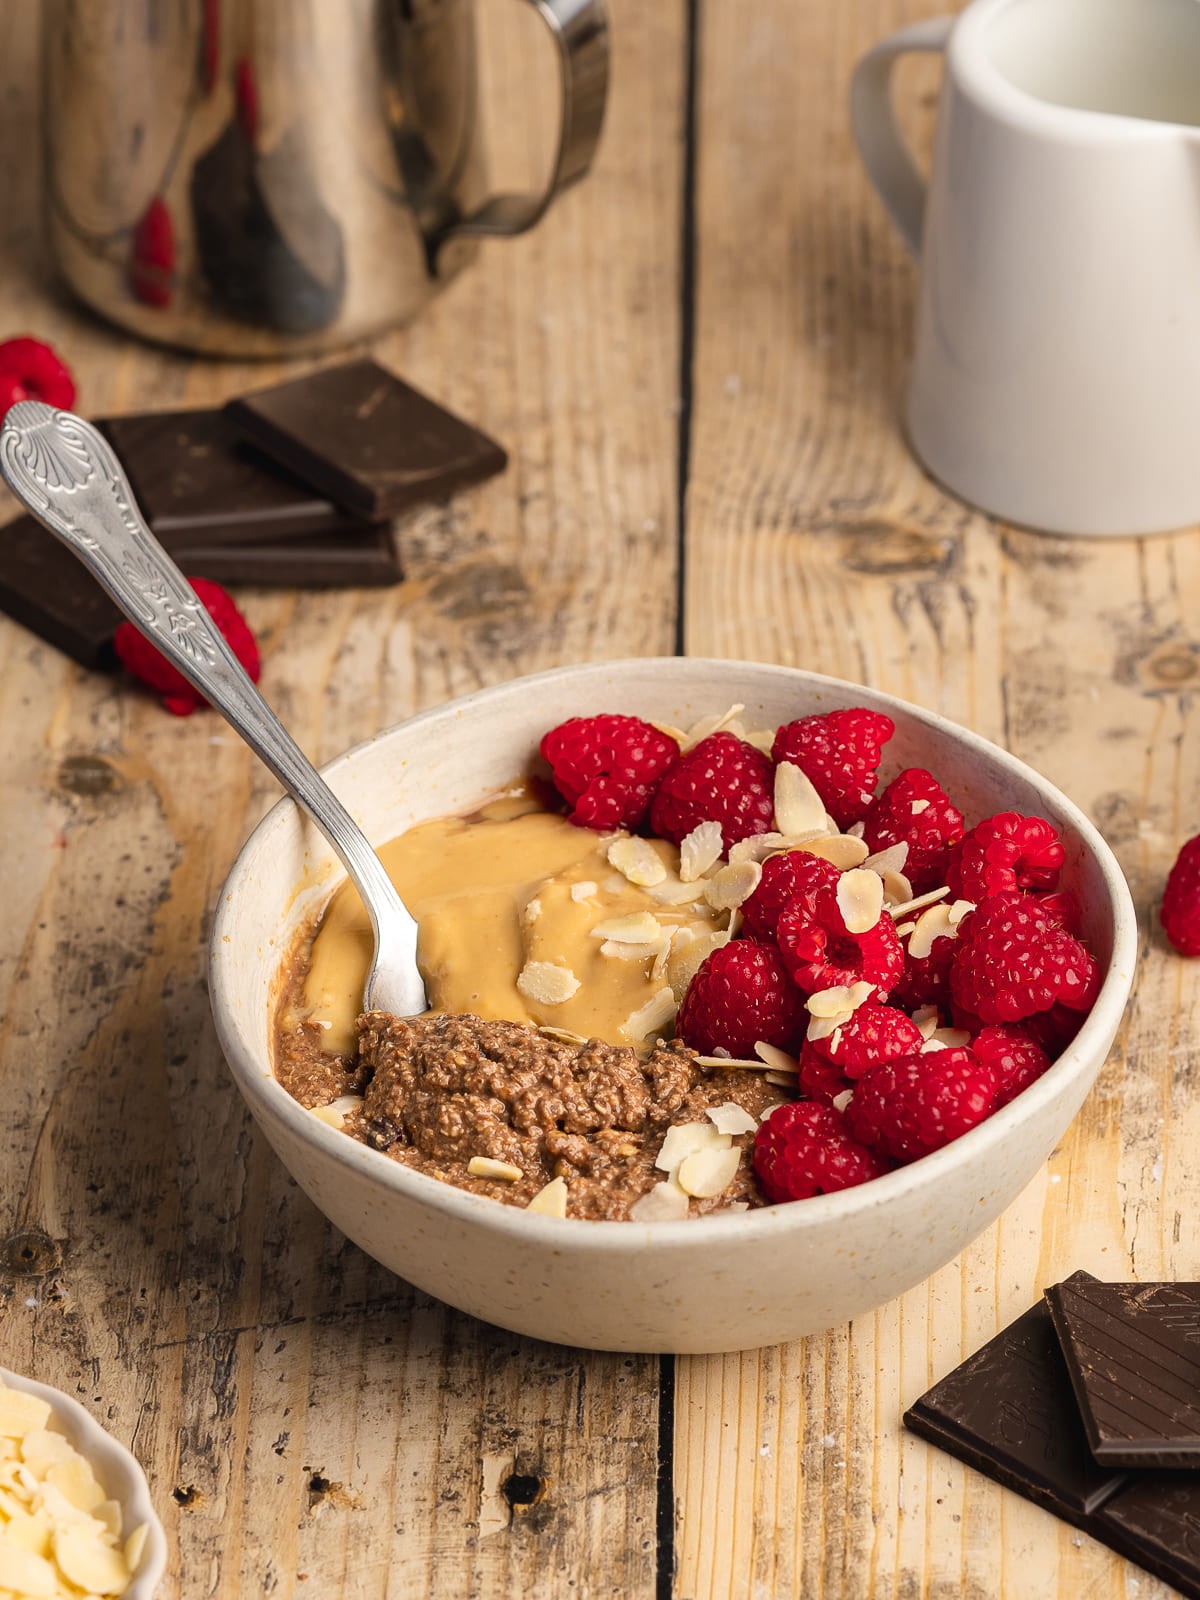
(66, 474)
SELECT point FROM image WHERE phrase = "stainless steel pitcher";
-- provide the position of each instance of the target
(262, 177)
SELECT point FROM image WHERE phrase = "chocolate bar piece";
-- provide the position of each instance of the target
(199, 485)
(1133, 1356)
(44, 586)
(364, 438)
(1009, 1412)
(1156, 1522)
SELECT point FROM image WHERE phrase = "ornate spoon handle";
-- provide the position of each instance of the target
(67, 475)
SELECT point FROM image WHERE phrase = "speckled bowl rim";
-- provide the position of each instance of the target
(120, 1473)
(257, 1080)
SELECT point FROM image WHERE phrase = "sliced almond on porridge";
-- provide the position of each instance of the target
(687, 956)
(893, 858)
(859, 896)
(731, 1118)
(637, 860)
(336, 1112)
(551, 1200)
(730, 1063)
(706, 1173)
(584, 890)
(699, 850)
(932, 924)
(546, 983)
(648, 1020)
(841, 850)
(639, 927)
(734, 884)
(775, 1058)
(671, 892)
(488, 1167)
(926, 1020)
(959, 910)
(905, 908)
(710, 725)
(666, 1202)
(615, 950)
(842, 997)
(798, 806)
(761, 738)
(896, 889)
(684, 1139)
(563, 1035)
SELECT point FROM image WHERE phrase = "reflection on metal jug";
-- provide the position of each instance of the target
(260, 177)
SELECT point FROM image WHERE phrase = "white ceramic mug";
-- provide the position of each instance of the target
(1056, 377)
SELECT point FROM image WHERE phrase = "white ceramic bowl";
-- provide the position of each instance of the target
(118, 1472)
(722, 1282)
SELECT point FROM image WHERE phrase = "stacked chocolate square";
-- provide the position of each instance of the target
(1089, 1404)
(291, 486)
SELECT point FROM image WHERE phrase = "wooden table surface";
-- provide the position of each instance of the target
(696, 363)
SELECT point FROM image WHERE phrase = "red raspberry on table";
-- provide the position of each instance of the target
(1180, 914)
(783, 877)
(152, 259)
(820, 953)
(141, 658)
(873, 1033)
(31, 370)
(1015, 1058)
(722, 779)
(1013, 959)
(1003, 853)
(915, 810)
(607, 768)
(741, 996)
(839, 753)
(804, 1149)
(907, 1108)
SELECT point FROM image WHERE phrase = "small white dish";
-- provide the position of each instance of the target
(714, 1283)
(119, 1473)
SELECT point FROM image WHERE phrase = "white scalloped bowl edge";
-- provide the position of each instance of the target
(718, 1283)
(119, 1472)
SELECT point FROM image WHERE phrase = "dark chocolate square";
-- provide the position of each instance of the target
(1133, 1355)
(1155, 1521)
(366, 439)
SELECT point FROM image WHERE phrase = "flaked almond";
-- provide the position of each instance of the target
(824, 1027)
(841, 850)
(487, 1167)
(671, 731)
(949, 1038)
(758, 846)
(710, 725)
(932, 924)
(584, 890)
(926, 1020)
(563, 1035)
(894, 858)
(551, 1200)
(841, 1101)
(842, 997)
(532, 911)
(666, 1202)
(761, 738)
(734, 925)
(637, 860)
(731, 1118)
(684, 1139)
(905, 908)
(857, 829)
(896, 889)
(658, 972)
(639, 927)
(730, 1063)
(650, 1020)
(859, 896)
(671, 892)
(615, 950)
(687, 956)
(706, 1173)
(734, 884)
(546, 983)
(93, 1567)
(798, 806)
(778, 1060)
(959, 910)
(336, 1112)
(779, 1079)
(699, 850)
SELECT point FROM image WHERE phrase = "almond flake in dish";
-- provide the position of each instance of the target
(959, 910)
(905, 908)
(658, 1012)
(731, 1118)
(932, 924)
(684, 1139)
(546, 983)
(842, 997)
(671, 892)
(947, 1039)
(336, 1111)
(892, 859)
(779, 1079)
(730, 1063)
(584, 890)
(859, 896)
(615, 950)
(532, 911)
(487, 1167)
(926, 1020)
(841, 1101)
(727, 889)
(688, 955)
(775, 1058)
(699, 850)
(761, 738)
(639, 927)
(706, 1173)
(550, 1201)
(841, 850)
(896, 889)
(709, 725)
(564, 1035)
(637, 860)
(666, 1202)
(798, 806)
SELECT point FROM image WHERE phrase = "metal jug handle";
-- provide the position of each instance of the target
(580, 31)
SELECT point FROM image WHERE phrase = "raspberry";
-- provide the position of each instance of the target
(1062, 905)
(804, 1149)
(245, 88)
(141, 658)
(915, 810)
(1014, 960)
(722, 779)
(818, 1076)
(909, 1107)
(607, 768)
(926, 979)
(839, 752)
(152, 262)
(1180, 912)
(1003, 853)
(740, 995)
(1013, 1056)
(30, 370)
(783, 877)
(820, 953)
(874, 1033)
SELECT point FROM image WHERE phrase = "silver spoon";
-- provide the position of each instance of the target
(68, 476)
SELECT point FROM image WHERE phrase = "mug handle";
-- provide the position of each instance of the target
(886, 157)
(580, 32)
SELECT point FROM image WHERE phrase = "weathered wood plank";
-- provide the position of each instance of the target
(311, 1424)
